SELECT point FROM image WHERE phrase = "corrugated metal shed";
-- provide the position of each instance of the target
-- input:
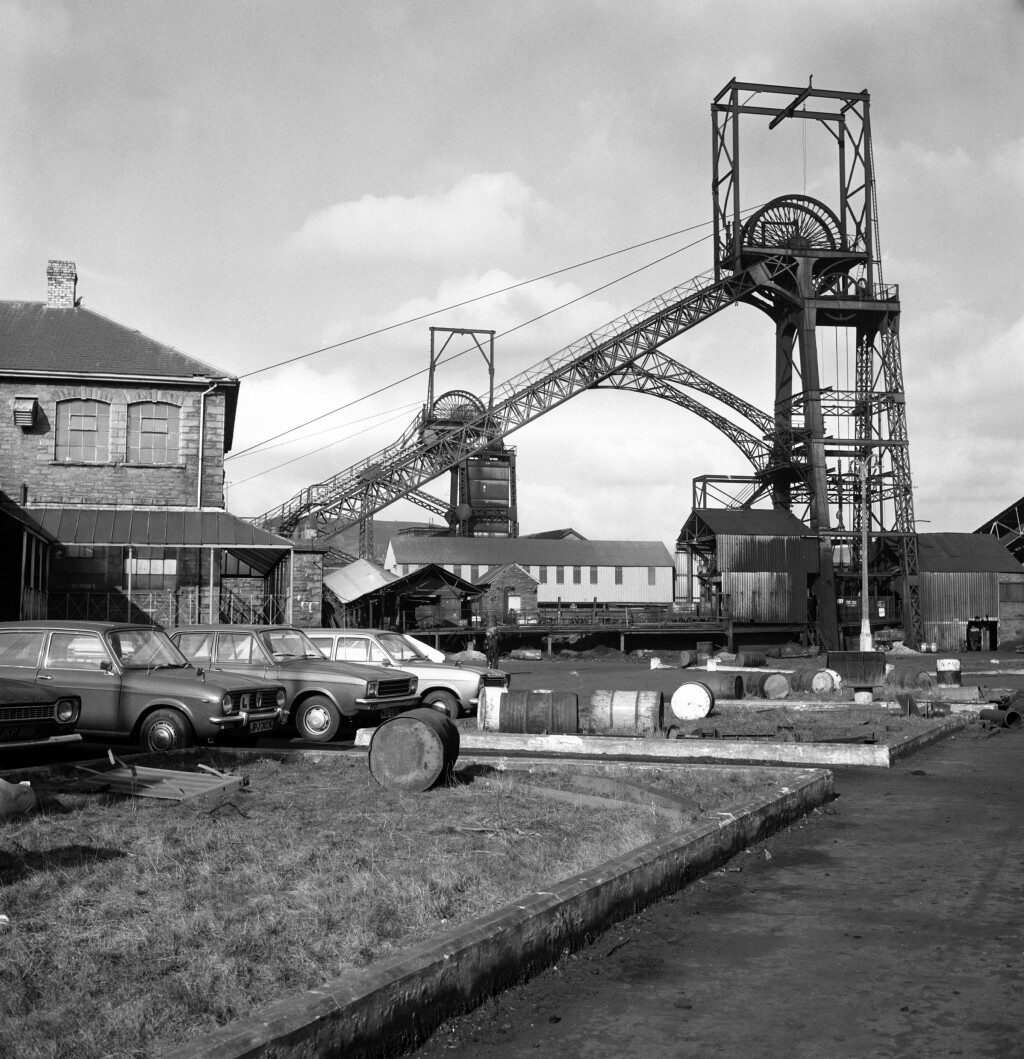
(964, 553)
(527, 551)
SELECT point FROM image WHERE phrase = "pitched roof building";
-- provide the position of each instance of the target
(112, 449)
(567, 571)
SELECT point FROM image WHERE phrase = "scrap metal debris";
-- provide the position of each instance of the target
(143, 782)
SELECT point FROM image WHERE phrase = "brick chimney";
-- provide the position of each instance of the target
(61, 281)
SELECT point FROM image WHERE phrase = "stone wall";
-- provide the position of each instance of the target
(308, 583)
(514, 580)
(27, 454)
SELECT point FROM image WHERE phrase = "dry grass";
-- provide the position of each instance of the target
(136, 924)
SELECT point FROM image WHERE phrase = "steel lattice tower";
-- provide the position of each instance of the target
(824, 436)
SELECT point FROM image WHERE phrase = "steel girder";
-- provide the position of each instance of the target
(647, 379)
(420, 455)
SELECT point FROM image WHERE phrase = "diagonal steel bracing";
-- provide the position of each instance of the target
(423, 453)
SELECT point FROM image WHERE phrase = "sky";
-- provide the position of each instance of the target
(253, 182)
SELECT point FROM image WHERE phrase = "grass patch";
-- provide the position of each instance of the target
(137, 924)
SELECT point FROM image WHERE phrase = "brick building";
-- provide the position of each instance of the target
(112, 449)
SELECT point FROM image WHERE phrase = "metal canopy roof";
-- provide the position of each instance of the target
(160, 528)
(155, 527)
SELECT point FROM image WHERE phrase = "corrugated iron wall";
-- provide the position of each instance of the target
(766, 578)
(950, 600)
(763, 597)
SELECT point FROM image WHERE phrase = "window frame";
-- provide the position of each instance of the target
(69, 443)
(156, 454)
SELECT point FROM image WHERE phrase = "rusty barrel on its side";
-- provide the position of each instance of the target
(538, 713)
(724, 684)
(751, 659)
(690, 701)
(621, 713)
(414, 751)
(766, 685)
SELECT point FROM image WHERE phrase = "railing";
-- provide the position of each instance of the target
(166, 608)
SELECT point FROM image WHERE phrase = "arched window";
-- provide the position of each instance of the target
(83, 431)
(153, 432)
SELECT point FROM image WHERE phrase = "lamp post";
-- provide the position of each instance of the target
(865, 620)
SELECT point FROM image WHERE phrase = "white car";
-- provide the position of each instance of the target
(449, 688)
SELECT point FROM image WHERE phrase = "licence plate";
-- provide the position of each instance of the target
(261, 726)
(391, 711)
(23, 731)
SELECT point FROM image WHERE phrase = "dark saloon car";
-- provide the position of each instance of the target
(135, 685)
(35, 716)
(323, 697)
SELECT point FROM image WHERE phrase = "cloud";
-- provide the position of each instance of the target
(480, 213)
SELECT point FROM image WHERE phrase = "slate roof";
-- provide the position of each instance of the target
(528, 551)
(38, 340)
(940, 553)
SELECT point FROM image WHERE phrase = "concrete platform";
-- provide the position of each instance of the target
(709, 751)
(399, 1001)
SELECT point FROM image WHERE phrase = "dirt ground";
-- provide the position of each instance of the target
(881, 925)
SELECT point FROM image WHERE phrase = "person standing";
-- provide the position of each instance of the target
(492, 646)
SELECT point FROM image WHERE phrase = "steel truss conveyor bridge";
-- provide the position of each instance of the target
(625, 354)
(808, 267)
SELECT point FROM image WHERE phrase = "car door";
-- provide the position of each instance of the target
(325, 644)
(360, 649)
(80, 662)
(241, 652)
(21, 652)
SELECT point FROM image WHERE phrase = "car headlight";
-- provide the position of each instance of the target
(225, 704)
(371, 689)
(66, 710)
(281, 698)
(414, 684)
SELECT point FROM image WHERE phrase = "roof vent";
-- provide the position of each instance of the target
(25, 409)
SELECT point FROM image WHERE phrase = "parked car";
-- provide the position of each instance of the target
(135, 685)
(452, 689)
(34, 716)
(323, 697)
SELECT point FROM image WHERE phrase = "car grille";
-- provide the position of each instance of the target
(387, 688)
(26, 713)
(259, 699)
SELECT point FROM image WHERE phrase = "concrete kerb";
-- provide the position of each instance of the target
(400, 1001)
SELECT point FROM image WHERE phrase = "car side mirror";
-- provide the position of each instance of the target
(107, 667)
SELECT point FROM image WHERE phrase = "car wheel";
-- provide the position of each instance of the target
(318, 719)
(166, 730)
(443, 702)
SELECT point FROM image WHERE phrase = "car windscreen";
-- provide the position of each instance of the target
(401, 649)
(289, 643)
(145, 649)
